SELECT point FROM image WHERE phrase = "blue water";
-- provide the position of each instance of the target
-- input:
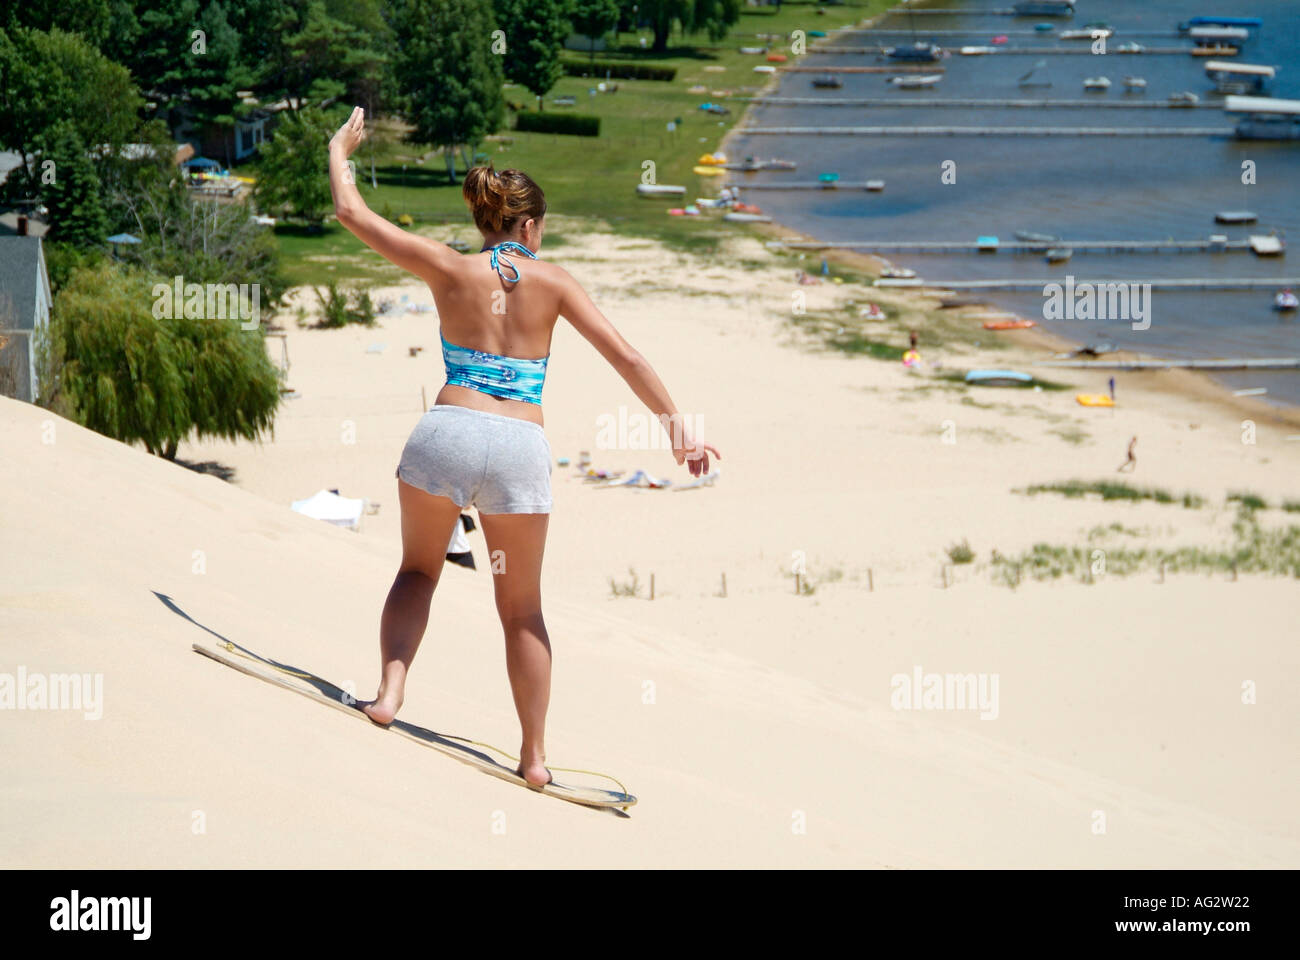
(1076, 188)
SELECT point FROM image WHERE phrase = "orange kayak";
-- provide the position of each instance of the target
(1009, 324)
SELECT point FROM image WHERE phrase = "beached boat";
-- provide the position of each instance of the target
(1235, 216)
(999, 378)
(828, 80)
(1094, 400)
(711, 171)
(737, 217)
(1013, 324)
(753, 51)
(897, 273)
(1135, 83)
(1184, 99)
(1097, 83)
(764, 68)
(659, 190)
(1286, 300)
(776, 58)
(1059, 254)
(916, 82)
(919, 52)
(1030, 237)
(1043, 8)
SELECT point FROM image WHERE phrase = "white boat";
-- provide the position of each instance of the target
(1130, 47)
(1088, 33)
(1135, 83)
(916, 82)
(897, 273)
(659, 190)
(747, 217)
(764, 68)
(1184, 99)
(1266, 245)
(1286, 300)
(1097, 83)
(976, 51)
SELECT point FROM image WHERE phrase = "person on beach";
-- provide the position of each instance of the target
(482, 442)
(1131, 461)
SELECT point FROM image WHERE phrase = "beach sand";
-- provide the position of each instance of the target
(756, 729)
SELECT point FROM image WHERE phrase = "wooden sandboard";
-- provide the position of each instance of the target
(322, 691)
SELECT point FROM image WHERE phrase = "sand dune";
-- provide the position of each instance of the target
(770, 711)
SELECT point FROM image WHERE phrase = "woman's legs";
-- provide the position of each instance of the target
(427, 523)
(515, 544)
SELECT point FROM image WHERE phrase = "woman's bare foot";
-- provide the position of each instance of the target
(533, 769)
(382, 709)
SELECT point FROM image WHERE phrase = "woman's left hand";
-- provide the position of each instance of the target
(350, 135)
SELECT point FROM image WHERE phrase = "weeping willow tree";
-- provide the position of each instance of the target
(141, 378)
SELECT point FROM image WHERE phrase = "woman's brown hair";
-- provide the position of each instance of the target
(499, 200)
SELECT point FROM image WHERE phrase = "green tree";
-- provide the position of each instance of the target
(293, 174)
(90, 18)
(449, 79)
(76, 213)
(141, 378)
(593, 19)
(535, 32)
(49, 80)
(214, 75)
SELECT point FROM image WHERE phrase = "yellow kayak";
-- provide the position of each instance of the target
(710, 172)
(1094, 400)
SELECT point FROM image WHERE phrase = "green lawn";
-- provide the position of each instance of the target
(593, 177)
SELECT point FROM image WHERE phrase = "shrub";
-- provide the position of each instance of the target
(573, 124)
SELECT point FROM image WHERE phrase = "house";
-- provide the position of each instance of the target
(24, 313)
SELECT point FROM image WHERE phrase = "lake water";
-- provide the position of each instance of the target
(1077, 188)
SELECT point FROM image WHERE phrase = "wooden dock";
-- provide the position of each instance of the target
(908, 68)
(1078, 48)
(1011, 246)
(875, 186)
(906, 101)
(988, 131)
(1237, 283)
(1262, 363)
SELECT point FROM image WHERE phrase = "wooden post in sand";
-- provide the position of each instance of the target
(424, 404)
(943, 573)
(796, 584)
(724, 584)
(871, 581)
(652, 586)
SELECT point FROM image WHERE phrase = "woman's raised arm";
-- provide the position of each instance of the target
(421, 256)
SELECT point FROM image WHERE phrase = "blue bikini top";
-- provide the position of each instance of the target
(510, 377)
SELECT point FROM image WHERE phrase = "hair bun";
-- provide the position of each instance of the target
(498, 200)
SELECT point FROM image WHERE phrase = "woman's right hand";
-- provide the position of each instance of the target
(695, 454)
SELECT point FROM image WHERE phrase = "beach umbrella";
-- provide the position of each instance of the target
(123, 238)
(202, 163)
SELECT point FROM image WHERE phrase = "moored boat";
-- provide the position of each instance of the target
(916, 82)
(1096, 83)
(1285, 300)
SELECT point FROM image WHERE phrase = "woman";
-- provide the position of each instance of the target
(482, 441)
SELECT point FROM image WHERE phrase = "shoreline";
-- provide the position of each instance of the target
(1035, 343)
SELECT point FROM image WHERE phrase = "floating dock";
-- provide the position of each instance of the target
(1240, 283)
(902, 68)
(905, 101)
(989, 131)
(1015, 246)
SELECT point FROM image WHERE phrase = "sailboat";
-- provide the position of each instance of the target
(917, 51)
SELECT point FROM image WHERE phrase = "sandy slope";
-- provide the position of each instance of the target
(1122, 697)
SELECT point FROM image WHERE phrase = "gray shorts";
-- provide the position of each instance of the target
(499, 464)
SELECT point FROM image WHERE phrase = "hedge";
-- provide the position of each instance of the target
(576, 124)
(617, 70)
